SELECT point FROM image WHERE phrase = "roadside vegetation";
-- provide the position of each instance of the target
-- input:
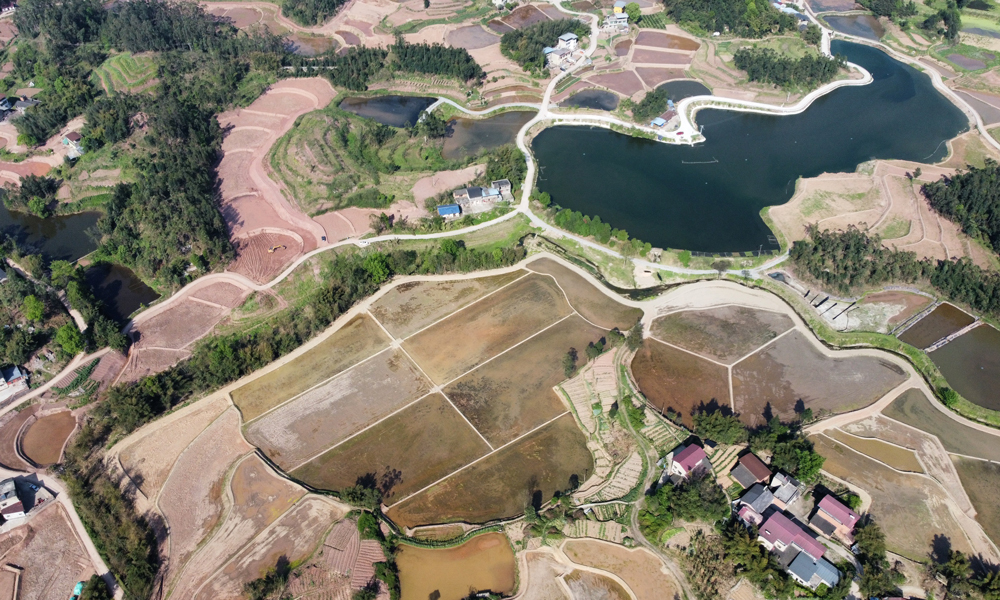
(767, 66)
(744, 19)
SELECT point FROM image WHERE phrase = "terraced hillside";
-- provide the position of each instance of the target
(126, 73)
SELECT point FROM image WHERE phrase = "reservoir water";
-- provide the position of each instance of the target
(398, 111)
(684, 88)
(468, 137)
(121, 291)
(971, 364)
(864, 26)
(60, 237)
(708, 197)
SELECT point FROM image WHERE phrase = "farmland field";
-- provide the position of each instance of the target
(486, 562)
(792, 369)
(910, 509)
(674, 379)
(501, 485)
(8, 438)
(478, 332)
(409, 307)
(587, 584)
(358, 339)
(725, 334)
(638, 568)
(299, 430)
(406, 452)
(914, 409)
(981, 481)
(43, 441)
(898, 458)
(512, 394)
(594, 305)
(126, 73)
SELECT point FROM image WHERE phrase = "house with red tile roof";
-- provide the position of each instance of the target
(834, 519)
(689, 459)
(750, 470)
(779, 533)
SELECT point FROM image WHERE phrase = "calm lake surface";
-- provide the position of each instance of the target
(468, 137)
(60, 237)
(398, 111)
(121, 291)
(708, 197)
(678, 90)
(595, 99)
(865, 26)
(971, 364)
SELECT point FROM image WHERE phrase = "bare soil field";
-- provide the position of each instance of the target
(792, 374)
(659, 39)
(443, 181)
(639, 569)
(592, 304)
(178, 326)
(981, 481)
(512, 394)
(898, 458)
(148, 361)
(587, 584)
(501, 485)
(540, 582)
(294, 537)
(658, 57)
(625, 83)
(108, 369)
(910, 509)
(404, 453)
(673, 379)
(43, 441)
(409, 307)
(191, 498)
(148, 460)
(486, 562)
(256, 260)
(914, 409)
(8, 438)
(356, 340)
(472, 37)
(480, 331)
(653, 76)
(523, 16)
(724, 334)
(325, 575)
(51, 555)
(941, 322)
(301, 429)
(905, 304)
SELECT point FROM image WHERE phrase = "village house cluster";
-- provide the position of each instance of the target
(475, 199)
(566, 53)
(617, 21)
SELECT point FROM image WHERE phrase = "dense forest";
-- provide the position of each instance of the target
(972, 199)
(745, 18)
(436, 59)
(524, 46)
(848, 260)
(765, 65)
(310, 12)
(890, 8)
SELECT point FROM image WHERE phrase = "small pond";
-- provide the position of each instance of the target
(468, 137)
(486, 562)
(864, 26)
(595, 99)
(684, 88)
(941, 322)
(398, 111)
(309, 45)
(970, 64)
(622, 48)
(60, 237)
(121, 291)
(971, 364)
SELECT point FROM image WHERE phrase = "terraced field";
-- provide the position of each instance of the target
(126, 73)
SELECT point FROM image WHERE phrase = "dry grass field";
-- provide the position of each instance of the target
(587, 584)
(512, 394)
(792, 370)
(471, 336)
(409, 307)
(911, 509)
(405, 452)
(357, 340)
(299, 430)
(8, 437)
(639, 569)
(674, 379)
(501, 485)
(43, 441)
(898, 458)
(539, 582)
(592, 304)
(981, 481)
(914, 409)
(50, 553)
(724, 334)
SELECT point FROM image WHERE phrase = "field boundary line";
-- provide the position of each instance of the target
(692, 353)
(570, 303)
(461, 308)
(485, 456)
(938, 438)
(765, 344)
(313, 388)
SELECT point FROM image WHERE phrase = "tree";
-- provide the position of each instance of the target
(95, 589)
(433, 126)
(70, 339)
(450, 246)
(720, 427)
(569, 362)
(33, 309)
(812, 34)
(544, 199)
(61, 272)
(634, 12)
(949, 397)
(634, 339)
(377, 266)
(721, 266)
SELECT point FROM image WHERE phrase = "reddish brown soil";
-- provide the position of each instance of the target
(178, 326)
(472, 37)
(654, 77)
(665, 40)
(524, 16)
(110, 366)
(913, 303)
(225, 294)
(648, 55)
(350, 38)
(622, 48)
(625, 83)
(43, 441)
(256, 262)
(8, 438)
(674, 379)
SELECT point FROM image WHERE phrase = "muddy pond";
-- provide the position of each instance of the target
(468, 137)
(397, 111)
(595, 99)
(121, 291)
(863, 26)
(971, 364)
(484, 563)
(941, 322)
(708, 197)
(59, 237)
(684, 88)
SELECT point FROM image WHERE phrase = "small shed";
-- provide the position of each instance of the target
(620, 6)
(658, 122)
(449, 211)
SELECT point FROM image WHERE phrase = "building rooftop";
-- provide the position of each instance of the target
(749, 515)
(568, 36)
(779, 528)
(449, 209)
(690, 457)
(755, 466)
(10, 374)
(823, 525)
(620, 4)
(74, 136)
(785, 487)
(14, 508)
(836, 509)
(658, 122)
(758, 497)
(814, 571)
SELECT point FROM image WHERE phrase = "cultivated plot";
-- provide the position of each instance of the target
(478, 332)
(409, 307)
(357, 340)
(8, 437)
(301, 429)
(638, 568)
(587, 584)
(51, 554)
(915, 409)
(501, 485)
(679, 381)
(512, 394)
(724, 334)
(592, 304)
(43, 441)
(403, 453)
(791, 374)
(981, 481)
(901, 459)
(911, 509)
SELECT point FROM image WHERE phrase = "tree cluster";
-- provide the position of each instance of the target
(790, 450)
(524, 46)
(26, 306)
(33, 195)
(768, 66)
(964, 580)
(650, 107)
(946, 22)
(744, 18)
(311, 12)
(890, 8)
(582, 225)
(971, 198)
(436, 59)
(878, 577)
(507, 162)
(720, 427)
(698, 498)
